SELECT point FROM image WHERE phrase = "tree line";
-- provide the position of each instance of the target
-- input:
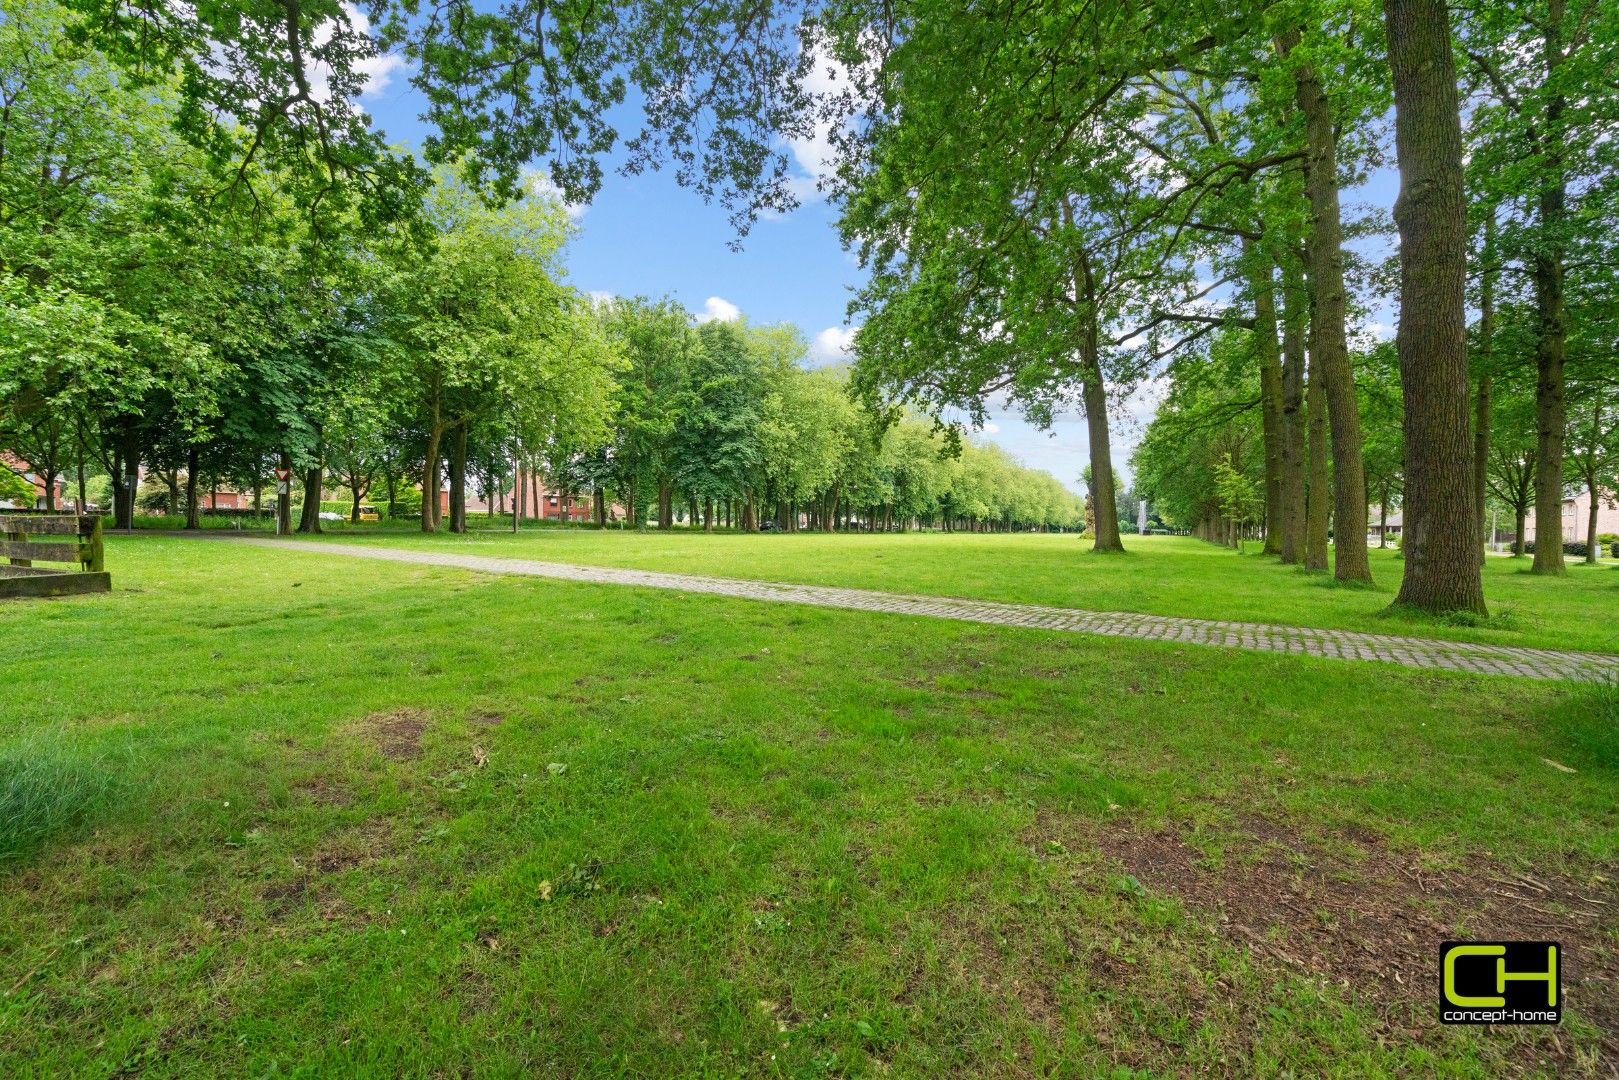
(1052, 205)
(1201, 459)
(165, 313)
(1058, 206)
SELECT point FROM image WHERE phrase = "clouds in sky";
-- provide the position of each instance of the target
(542, 186)
(832, 345)
(719, 309)
(379, 70)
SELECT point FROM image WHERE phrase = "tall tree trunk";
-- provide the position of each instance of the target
(430, 477)
(1263, 282)
(1481, 403)
(193, 513)
(458, 479)
(601, 507)
(1440, 540)
(120, 492)
(1551, 411)
(1329, 312)
(309, 520)
(1315, 510)
(1593, 550)
(1295, 302)
(1104, 502)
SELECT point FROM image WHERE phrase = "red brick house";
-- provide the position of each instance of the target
(540, 503)
(21, 467)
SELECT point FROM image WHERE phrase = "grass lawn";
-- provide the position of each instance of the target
(1160, 575)
(276, 813)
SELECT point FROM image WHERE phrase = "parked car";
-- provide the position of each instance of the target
(329, 515)
(369, 513)
(769, 525)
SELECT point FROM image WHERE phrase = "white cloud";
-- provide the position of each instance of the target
(990, 428)
(833, 344)
(814, 153)
(719, 309)
(1382, 331)
(541, 186)
(599, 296)
(378, 70)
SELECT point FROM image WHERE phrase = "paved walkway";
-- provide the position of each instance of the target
(1339, 644)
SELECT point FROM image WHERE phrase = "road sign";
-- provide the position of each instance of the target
(283, 474)
(281, 488)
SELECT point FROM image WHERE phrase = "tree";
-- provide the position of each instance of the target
(470, 314)
(1441, 562)
(1543, 150)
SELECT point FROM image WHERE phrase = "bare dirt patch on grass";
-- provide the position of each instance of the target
(1372, 925)
(397, 733)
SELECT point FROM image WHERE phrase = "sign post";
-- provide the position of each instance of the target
(282, 488)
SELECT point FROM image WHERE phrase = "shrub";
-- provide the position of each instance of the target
(1571, 547)
(45, 790)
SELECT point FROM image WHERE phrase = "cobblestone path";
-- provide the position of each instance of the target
(1263, 637)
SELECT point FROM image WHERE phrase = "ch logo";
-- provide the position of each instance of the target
(1494, 982)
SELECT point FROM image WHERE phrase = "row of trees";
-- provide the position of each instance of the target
(722, 419)
(1201, 460)
(1050, 202)
(1055, 205)
(167, 313)
(161, 311)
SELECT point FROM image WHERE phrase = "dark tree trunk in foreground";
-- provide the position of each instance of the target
(1481, 404)
(1441, 518)
(1329, 341)
(430, 477)
(1315, 510)
(1104, 503)
(309, 520)
(458, 480)
(1551, 411)
(1295, 305)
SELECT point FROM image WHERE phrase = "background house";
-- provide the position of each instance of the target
(1576, 509)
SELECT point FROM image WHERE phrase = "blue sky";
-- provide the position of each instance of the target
(647, 236)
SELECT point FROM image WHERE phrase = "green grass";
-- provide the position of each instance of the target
(660, 834)
(45, 791)
(1159, 575)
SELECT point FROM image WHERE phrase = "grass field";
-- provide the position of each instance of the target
(287, 815)
(1160, 575)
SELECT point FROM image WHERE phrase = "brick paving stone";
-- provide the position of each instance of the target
(1258, 637)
